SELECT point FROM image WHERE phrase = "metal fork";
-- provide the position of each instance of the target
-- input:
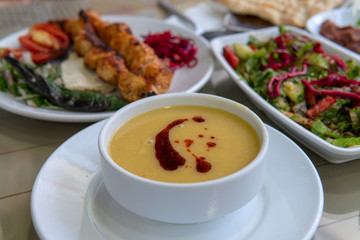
(207, 34)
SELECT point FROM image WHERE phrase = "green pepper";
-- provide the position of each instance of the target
(68, 99)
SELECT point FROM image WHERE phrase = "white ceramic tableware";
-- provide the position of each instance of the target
(340, 16)
(184, 80)
(328, 151)
(183, 202)
(69, 199)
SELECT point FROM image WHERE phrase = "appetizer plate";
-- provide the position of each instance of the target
(340, 16)
(70, 201)
(184, 80)
(328, 151)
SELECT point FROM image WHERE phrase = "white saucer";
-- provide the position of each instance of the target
(69, 200)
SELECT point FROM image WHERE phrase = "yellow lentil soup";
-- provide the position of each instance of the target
(183, 144)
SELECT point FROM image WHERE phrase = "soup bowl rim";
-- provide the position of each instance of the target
(264, 140)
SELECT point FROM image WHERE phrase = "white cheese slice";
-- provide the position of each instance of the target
(76, 76)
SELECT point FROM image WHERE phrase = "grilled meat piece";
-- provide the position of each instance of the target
(82, 44)
(131, 86)
(109, 65)
(139, 56)
(94, 55)
(72, 27)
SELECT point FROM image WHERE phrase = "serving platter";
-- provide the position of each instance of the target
(70, 201)
(328, 151)
(184, 80)
(340, 16)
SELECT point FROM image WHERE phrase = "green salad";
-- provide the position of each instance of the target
(319, 91)
(12, 82)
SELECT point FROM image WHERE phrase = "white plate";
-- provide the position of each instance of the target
(69, 200)
(340, 16)
(184, 80)
(328, 151)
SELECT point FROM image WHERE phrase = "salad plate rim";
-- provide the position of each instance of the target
(325, 149)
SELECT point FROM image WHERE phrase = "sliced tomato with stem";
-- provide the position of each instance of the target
(230, 56)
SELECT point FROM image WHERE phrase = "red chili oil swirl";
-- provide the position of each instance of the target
(202, 165)
(198, 119)
(188, 142)
(168, 157)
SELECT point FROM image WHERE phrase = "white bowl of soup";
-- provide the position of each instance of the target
(183, 158)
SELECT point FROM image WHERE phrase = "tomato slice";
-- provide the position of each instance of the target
(55, 31)
(321, 106)
(310, 97)
(45, 39)
(32, 46)
(42, 57)
(253, 47)
(16, 53)
(230, 56)
(45, 42)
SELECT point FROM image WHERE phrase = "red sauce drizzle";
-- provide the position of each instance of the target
(198, 119)
(188, 142)
(168, 157)
(202, 165)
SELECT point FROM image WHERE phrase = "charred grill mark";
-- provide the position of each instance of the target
(91, 33)
(151, 94)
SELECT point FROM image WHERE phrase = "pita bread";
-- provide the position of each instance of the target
(281, 12)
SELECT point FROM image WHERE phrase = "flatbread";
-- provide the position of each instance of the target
(281, 12)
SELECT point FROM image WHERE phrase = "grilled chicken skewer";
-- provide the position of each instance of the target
(139, 56)
(109, 65)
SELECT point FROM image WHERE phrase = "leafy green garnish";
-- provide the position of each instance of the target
(346, 142)
(358, 22)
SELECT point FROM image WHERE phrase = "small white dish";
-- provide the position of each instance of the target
(328, 151)
(69, 200)
(183, 203)
(184, 80)
(340, 16)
